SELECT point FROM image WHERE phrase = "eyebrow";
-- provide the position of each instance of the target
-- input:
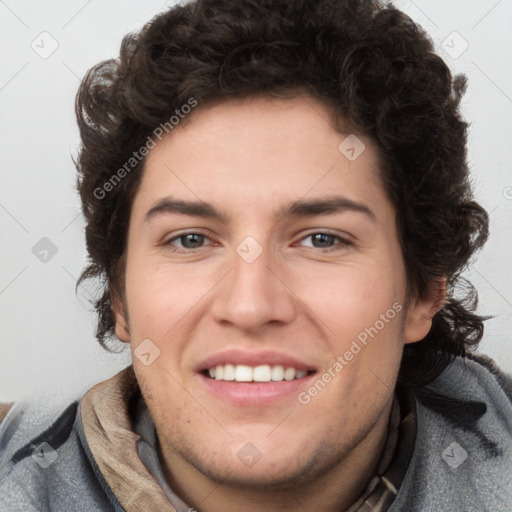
(326, 206)
(299, 208)
(192, 208)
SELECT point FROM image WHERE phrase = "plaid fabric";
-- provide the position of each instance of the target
(383, 487)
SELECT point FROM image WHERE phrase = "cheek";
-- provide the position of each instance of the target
(351, 298)
(159, 297)
(362, 309)
(161, 393)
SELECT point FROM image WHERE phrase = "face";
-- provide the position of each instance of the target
(263, 266)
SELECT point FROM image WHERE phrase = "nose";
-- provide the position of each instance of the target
(253, 295)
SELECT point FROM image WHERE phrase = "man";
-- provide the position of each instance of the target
(277, 202)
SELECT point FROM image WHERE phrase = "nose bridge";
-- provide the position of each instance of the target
(251, 294)
(251, 276)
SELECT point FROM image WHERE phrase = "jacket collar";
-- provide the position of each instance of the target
(106, 414)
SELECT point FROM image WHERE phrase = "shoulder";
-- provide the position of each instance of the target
(463, 450)
(486, 367)
(43, 465)
(28, 425)
(476, 383)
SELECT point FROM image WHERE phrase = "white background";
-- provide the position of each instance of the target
(46, 331)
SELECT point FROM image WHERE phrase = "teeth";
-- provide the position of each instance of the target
(289, 374)
(229, 372)
(262, 373)
(277, 373)
(243, 373)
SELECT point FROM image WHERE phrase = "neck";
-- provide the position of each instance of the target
(335, 488)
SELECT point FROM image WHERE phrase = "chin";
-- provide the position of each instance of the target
(260, 464)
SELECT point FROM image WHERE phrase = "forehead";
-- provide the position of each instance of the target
(258, 151)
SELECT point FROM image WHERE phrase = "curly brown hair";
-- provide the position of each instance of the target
(369, 62)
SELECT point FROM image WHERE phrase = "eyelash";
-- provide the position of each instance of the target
(183, 235)
(341, 242)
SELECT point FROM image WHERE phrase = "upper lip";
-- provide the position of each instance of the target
(253, 358)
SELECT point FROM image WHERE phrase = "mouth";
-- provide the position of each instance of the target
(254, 379)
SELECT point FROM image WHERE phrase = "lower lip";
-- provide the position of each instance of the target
(255, 393)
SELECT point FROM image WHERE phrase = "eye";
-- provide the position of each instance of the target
(188, 241)
(323, 241)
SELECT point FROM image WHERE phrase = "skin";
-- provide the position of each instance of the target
(248, 158)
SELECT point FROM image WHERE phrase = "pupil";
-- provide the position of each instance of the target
(192, 241)
(323, 240)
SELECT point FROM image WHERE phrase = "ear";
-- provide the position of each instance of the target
(121, 319)
(421, 310)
